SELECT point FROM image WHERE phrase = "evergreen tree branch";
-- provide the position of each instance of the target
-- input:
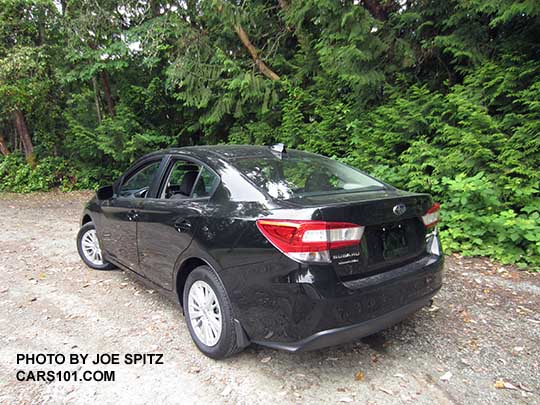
(263, 67)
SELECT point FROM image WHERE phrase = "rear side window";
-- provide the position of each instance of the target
(189, 180)
(299, 174)
(206, 183)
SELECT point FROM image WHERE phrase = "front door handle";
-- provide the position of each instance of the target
(182, 225)
(132, 215)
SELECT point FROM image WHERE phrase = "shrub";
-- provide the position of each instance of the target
(50, 172)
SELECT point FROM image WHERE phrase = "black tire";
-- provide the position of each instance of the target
(227, 344)
(84, 229)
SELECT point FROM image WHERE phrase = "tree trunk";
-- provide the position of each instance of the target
(155, 8)
(16, 142)
(108, 95)
(3, 146)
(263, 68)
(24, 135)
(96, 99)
(381, 9)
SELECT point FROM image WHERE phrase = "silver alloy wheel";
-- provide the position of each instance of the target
(90, 247)
(204, 313)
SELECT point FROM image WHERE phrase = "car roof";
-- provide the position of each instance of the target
(227, 152)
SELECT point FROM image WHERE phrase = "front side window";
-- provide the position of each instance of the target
(139, 183)
(298, 174)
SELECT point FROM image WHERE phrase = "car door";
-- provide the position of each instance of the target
(119, 228)
(168, 222)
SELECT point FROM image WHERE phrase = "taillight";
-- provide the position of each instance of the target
(431, 217)
(309, 241)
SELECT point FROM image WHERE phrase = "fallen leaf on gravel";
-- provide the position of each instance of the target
(346, 399)
(386, 391)
(359, 376)
(522, 308)
(466, 362)
(500, 384)
(473, 344)
(266, 359)
(466, 317)
(446, 376)
(520, 385)
(195, 370)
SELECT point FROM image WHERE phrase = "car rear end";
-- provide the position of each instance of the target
(360, 278)
(346, 261)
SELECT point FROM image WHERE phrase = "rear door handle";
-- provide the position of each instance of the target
(182, 225)
(132, 215)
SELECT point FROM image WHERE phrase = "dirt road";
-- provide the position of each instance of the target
(482, 333)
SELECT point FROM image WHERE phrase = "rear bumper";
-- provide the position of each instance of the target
(336, 336)
(309, 309)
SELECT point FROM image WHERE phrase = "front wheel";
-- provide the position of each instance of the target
(209, 314)
(89, 248)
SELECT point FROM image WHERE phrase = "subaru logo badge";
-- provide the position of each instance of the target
(399, 209)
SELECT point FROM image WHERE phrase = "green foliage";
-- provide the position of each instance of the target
(476, 222)
(50, 172)
(435, 96)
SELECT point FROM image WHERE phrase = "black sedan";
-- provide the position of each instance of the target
(277, 247)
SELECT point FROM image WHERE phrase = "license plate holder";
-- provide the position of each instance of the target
(394, 241)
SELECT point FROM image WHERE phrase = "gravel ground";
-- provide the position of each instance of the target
(479, 343)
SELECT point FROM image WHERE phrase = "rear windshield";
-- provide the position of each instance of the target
(299, 174)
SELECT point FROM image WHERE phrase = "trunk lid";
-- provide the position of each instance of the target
(394, 233)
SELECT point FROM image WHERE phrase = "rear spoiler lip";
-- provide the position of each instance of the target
(396, 193)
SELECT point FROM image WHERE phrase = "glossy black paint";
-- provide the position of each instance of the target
(276, 301)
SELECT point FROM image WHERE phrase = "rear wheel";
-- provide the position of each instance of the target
(209, 314)
(89, 248)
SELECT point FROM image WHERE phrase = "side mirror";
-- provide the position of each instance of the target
(105, 193)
